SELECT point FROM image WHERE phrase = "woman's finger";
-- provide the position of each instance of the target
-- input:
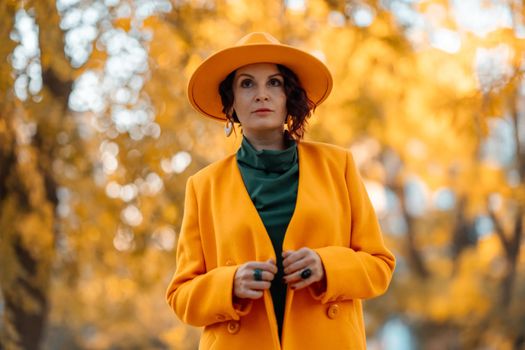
(265, 266)
(257, 285)
(250, 294)
(301, 284)
(296, 276)
(249, 275)
(292, 256)
(298, 265)
(265, 276)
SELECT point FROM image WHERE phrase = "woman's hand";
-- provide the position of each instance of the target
(296, 262)
(245, 285)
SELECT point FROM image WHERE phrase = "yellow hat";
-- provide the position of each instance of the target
(258, 47)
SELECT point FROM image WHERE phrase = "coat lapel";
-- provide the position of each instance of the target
(242, 206)
(295, 236)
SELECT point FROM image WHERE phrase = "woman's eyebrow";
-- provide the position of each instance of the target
(251, 76)
(246, 74)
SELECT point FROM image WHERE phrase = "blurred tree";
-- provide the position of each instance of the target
(94, 158)
(27, 182)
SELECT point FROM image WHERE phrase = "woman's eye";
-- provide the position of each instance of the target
(246, 83)
(275, 82)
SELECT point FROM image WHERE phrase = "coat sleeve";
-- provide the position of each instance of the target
(200, 297)
(364, 269)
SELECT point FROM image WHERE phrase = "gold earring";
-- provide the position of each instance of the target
(289, 123)
(228, 128)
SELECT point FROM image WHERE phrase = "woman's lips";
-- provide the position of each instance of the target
(262, 110)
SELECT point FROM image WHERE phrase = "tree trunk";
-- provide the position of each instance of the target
(27, 202)
(415, 258)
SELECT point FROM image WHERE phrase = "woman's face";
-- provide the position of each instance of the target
(259, 98)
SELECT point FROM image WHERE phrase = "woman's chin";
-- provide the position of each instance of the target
(264, 129)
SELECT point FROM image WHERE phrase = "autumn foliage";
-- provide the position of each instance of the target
(97, 140)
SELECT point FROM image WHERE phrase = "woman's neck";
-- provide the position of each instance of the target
(268, 141)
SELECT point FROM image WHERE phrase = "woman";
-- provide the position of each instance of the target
(279, 242)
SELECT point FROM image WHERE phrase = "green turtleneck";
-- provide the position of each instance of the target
(271, 178)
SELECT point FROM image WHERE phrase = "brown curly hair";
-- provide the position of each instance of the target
(298, 105)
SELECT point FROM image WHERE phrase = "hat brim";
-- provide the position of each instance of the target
(203, 87)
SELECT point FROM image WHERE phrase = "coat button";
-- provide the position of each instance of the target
(333, 311)
(233, 327)
(230, 263)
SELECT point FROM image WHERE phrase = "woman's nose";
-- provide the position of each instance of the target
(262, 94)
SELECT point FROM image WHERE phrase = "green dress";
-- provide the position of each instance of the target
(271, 178)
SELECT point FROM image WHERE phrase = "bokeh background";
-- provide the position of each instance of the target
(97, 140)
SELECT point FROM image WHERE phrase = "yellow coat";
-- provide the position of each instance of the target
(221, 230)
